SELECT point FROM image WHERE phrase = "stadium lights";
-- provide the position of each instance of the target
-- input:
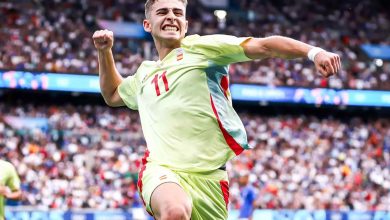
(221, 16)
(379, 62)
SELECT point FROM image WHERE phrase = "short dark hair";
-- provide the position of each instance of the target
(149, 4)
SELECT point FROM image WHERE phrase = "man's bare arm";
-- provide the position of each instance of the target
(277, 46)
(7, 193)
(108, 74)
(14, 195)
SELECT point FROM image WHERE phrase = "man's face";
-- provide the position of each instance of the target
(167, 20)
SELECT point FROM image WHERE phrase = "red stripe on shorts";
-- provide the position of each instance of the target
(144, 161)
(228, 138)
(225, 191)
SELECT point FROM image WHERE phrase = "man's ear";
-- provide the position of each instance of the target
(147, 26)
(186, 27)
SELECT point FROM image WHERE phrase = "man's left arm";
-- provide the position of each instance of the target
(327, 63)
(9, 194)
(12, 190)
(16, 194)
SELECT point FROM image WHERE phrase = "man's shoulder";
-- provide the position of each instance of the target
(191, 37)
(146, 65)
(207, 40)
(144, 69)
(197, 38)
(5, 165)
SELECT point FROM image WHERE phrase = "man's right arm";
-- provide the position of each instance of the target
(109, 76)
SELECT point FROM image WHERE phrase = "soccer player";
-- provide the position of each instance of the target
(248, 196)
(9, 185)
(183, 100)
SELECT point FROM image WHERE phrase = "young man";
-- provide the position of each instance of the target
(9, 185)
(184, 103)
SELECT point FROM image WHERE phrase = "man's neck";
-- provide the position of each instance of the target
(164, 48)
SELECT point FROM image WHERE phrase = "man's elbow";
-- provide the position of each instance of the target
(113, 101)
(110, 102)
(18, 195)
(15, 195)
(113, 104)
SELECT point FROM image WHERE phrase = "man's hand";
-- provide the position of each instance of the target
(3, 190)
(103, 39)
(328, 64)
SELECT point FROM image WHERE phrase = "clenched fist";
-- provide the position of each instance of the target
(327, 63)
(103, 39)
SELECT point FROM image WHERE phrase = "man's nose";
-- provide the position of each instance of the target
(171, 16)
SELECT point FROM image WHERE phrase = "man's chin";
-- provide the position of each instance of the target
(171, 37)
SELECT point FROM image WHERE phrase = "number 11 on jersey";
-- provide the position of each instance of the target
(164, 79)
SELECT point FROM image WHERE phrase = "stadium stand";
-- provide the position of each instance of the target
(83, 155)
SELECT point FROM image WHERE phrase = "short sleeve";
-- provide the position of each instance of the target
(221, 49)
(13, 181)
(128, 91)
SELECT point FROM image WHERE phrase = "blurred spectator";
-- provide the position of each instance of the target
(248, 195)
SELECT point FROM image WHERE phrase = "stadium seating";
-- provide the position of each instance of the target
(88, 156)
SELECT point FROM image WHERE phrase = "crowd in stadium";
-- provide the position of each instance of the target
(56, 37)
(89, 156)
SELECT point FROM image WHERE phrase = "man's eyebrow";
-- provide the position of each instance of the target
(167, 9)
